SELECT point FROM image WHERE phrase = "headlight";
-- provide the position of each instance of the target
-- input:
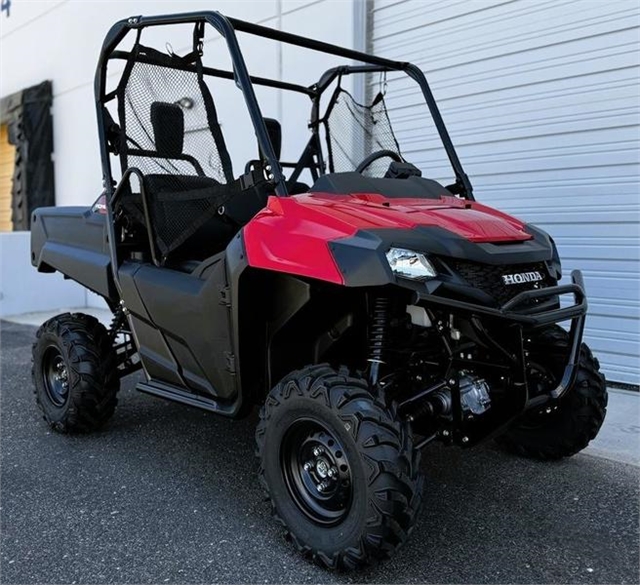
(410, 264)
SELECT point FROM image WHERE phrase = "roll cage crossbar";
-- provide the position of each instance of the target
(227, 27)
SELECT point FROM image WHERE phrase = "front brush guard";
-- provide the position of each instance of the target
(576, 312)
(521, 310)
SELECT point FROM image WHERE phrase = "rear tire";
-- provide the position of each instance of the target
(74, 373)
(568, 429)
(319, 419)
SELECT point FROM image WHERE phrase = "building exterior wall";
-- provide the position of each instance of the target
(22, 289)
(541, 100)
(61, 40)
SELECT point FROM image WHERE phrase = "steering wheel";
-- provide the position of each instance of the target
(374, 156)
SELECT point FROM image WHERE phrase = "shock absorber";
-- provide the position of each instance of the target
(378, 336)
(117, 322)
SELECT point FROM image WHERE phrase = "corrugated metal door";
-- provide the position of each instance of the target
(7, 157)
(541, 99)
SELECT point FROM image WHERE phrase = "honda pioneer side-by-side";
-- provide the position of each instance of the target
(368, 312)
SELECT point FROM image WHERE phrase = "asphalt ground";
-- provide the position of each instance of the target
(168, 494)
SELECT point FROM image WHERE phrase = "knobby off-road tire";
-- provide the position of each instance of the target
(74, 373)
(371, 502)
(580, 413)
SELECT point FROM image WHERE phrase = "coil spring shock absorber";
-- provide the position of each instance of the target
(378, 336)
(119, 316)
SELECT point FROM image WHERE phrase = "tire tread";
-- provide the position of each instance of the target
(378, 428)
(93, 376)
(587, 402)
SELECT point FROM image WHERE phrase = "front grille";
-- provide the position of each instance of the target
(488, 278)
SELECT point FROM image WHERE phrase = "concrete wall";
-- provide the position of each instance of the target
(61, 40)
(23, 289)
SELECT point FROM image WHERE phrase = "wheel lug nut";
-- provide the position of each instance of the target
(322, 486)
(332, 472)
(317, 451)
(308, 465)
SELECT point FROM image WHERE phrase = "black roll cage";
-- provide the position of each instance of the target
(311, 157)
(227, 28)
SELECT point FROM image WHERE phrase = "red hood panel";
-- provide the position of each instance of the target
(292, 233)
(470, 220)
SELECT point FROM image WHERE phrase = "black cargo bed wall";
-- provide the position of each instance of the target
(28, 116)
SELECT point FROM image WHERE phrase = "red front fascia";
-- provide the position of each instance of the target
(292, 234)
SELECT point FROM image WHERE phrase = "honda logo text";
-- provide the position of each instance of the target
(522, 277)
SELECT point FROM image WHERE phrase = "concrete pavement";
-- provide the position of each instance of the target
(168, 494)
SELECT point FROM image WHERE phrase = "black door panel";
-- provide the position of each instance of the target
(193, 320)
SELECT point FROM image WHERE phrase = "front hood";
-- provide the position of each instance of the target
(343, 238)
(361, 211)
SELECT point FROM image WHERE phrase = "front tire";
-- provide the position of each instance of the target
(339, 468)
(570, 427)
(74, 373)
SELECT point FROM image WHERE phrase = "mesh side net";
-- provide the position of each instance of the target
(171, 134)
(149, 84)
(354, 131)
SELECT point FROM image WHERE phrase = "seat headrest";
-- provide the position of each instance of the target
(275, 135)
(168, 128)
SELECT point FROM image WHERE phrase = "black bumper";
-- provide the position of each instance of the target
(527, 310)
(519, 310)
(514, 309)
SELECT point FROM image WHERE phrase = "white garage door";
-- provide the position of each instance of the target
(541, 99)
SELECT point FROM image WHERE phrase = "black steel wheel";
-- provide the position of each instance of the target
(316, 471)
(55, 376)
(562, 429)
(74, 373)
(338, 466)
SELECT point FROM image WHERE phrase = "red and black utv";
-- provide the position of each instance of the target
(367, 315)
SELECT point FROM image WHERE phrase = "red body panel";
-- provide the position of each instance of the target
(292, 233)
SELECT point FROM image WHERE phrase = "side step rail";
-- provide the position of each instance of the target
(181, 395)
